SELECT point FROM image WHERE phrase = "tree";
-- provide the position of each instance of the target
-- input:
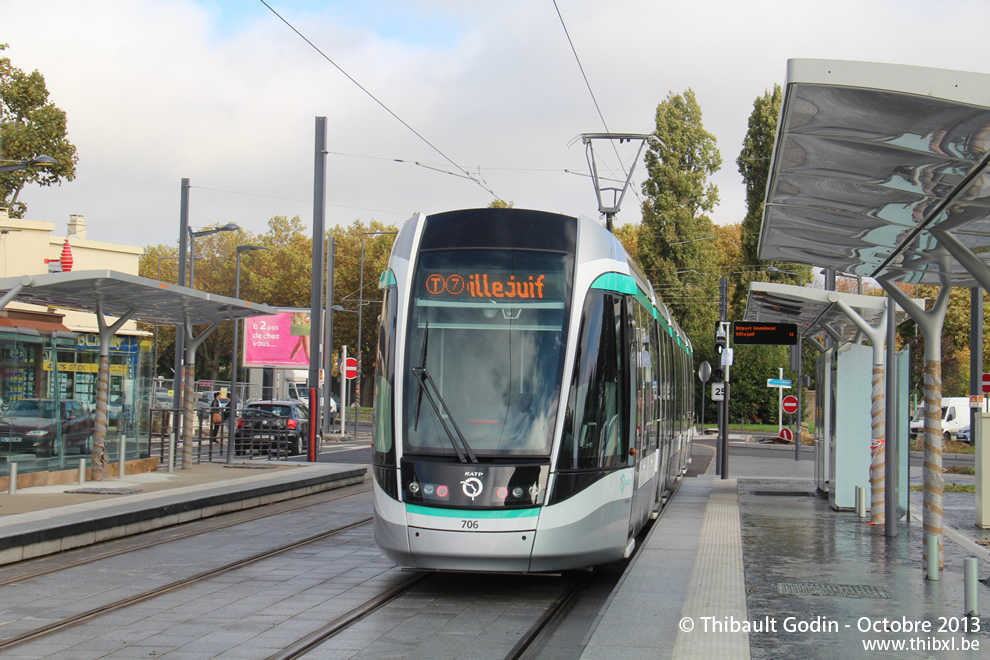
(280, 277)
(674, 242)
(754, 166)
(378, 240)
(30, 126)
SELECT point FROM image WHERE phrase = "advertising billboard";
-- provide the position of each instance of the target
(278, 341)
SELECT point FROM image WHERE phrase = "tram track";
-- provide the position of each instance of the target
(341, 623)
(554, 613)
(176, 533)
(82, 617)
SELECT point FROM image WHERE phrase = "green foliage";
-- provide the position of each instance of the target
(674, 244)
(280, 276)
(754, 163)
(30, 126)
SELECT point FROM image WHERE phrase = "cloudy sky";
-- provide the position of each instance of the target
(224, 93)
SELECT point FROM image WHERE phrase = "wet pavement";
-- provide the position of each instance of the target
(818, 583)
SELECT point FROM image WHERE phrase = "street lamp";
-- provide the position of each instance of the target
(230, 226)
(40, 161)
(232, 397)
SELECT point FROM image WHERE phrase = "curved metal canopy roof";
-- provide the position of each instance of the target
(153, 302)
(813, 309)
(869, 160)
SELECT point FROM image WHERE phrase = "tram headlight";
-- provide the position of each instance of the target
(517, 492)
(414, 487)
(428, 489)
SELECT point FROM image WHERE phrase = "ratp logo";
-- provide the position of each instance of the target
(472, 487)
(623, 482)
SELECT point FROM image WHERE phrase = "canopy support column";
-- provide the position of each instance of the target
(972, 263)
(930, 322)
(101, 461)
(189, 395)
(818, 346)
(12, 293)
(877, 407)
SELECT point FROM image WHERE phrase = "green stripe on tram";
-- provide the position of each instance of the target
(622, 283)
(387, 279)
(472, 513)
(615, 282)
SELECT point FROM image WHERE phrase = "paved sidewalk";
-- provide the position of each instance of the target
(759, 566)
(50, 519)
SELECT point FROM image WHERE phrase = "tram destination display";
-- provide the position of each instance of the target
(764, 334)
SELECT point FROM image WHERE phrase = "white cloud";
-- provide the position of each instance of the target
(225, 94)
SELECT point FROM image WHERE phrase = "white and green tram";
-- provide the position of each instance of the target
(533, 400)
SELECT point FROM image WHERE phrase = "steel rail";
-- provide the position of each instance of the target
(82, 617)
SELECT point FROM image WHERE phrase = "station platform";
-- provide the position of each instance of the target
(759, 566)
(45, 520)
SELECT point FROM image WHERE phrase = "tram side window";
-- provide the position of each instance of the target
(384, 435)
(594, 428)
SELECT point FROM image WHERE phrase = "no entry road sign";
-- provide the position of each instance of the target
(789, 404)
(785, 434)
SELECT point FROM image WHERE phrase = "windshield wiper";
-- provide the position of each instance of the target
(457, 441)
(434, 397)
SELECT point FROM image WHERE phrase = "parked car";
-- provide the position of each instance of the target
(28, 427)
(276, 425)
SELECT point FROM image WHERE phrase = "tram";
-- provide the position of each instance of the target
(533, 400)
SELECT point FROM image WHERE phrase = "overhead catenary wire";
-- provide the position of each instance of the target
(466, 174)
(591, 91)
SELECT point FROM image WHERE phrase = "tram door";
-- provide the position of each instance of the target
(641, 388)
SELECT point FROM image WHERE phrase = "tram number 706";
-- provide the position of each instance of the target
(469, 524)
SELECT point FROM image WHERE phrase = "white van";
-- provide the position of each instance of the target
(955, 417)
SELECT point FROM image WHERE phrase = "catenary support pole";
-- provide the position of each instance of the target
(316, 290)
(180, 336)
(328, 343)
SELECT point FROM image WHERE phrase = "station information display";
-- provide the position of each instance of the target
(765, 334)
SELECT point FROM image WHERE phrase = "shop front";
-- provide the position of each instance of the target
(48, 377)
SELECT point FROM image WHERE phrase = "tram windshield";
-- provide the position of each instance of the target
(488, 327)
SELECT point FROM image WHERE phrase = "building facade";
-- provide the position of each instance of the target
(49, 358)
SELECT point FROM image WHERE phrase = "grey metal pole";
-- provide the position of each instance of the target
(724, 316)
(800, 397)
(316, 292)
(328, 344)
(360, 352)
(180, 339)
(975, 352)
(892, 421)
(232, 396)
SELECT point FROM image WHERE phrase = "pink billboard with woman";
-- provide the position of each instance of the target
(278, 341)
